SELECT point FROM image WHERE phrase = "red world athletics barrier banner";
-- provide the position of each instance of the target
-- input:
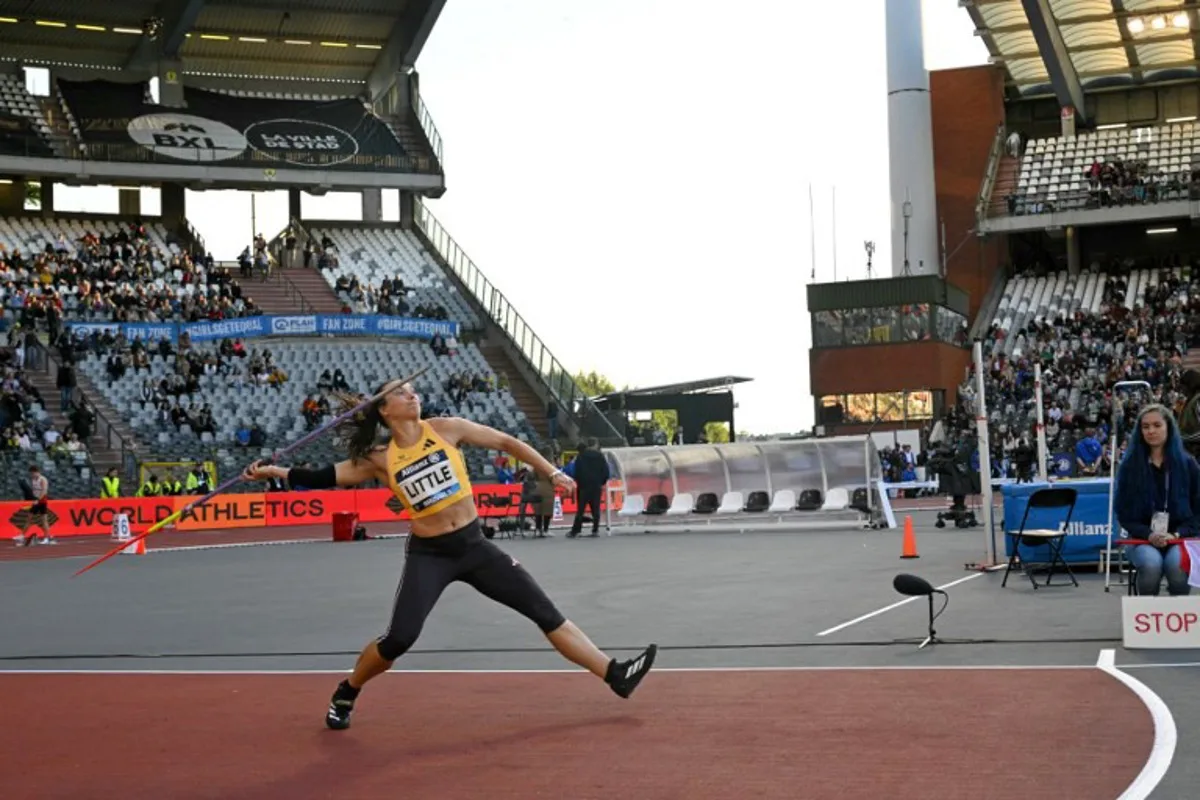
(95, 517)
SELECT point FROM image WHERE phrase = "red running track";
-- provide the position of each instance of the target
(698, 735)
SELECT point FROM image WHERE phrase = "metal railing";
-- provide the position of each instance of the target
(568, 395)
(197, 239)
(995, 155)
(1046, 202)
(292, 292)
(46, 363)
(426, 120)
(991, 302)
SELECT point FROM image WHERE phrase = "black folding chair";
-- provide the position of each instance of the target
(1053, 539)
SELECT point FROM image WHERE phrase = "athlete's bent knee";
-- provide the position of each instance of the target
(395, 643)
(546, 616)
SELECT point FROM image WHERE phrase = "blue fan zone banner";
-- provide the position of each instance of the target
(297, 325)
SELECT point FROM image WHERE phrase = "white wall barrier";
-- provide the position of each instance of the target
(822, 483)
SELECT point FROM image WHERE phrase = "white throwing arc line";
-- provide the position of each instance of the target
(1163, 750)
(886, 609)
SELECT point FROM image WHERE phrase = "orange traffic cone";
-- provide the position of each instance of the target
(137, 548)
(910, 540)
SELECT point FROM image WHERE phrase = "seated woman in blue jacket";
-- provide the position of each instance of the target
(1157, 498)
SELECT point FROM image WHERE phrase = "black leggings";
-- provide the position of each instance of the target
(433, 563)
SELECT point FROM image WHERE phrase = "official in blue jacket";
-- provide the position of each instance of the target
(1157, 499)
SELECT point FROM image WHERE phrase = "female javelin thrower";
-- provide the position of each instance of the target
(424, 468)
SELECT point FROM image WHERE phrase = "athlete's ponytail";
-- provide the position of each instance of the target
(361, 432)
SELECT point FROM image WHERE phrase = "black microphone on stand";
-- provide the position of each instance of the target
(913, 586)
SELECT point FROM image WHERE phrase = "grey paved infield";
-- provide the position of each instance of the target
(710, 600)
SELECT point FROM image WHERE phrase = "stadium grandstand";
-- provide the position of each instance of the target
(128, 345)
(1043, 206)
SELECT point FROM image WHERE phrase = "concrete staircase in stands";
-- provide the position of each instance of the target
(103, 455)
(311, 285)
(412, 138)
(1007, 174)
(291, 291)
(1192, 359)
(527, 399)
(60, 130)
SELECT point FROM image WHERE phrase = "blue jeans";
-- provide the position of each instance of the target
(1152, 562)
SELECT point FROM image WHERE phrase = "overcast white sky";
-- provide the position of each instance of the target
(633, 175)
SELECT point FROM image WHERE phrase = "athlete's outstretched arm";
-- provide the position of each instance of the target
(347, 473)
(462, 431)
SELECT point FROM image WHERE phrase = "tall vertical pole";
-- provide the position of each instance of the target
(944, 257)
(835, 233)
(910, 140)
(985, 455)
(1041, 423)
(812, 233)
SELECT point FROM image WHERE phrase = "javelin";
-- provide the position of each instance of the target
(276, 456)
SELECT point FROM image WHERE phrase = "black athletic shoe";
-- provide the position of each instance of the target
(341, 707)
(624, 676)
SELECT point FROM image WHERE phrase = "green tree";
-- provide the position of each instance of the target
(716, 432)
(593, 383)
(667, 422)
(33, 196)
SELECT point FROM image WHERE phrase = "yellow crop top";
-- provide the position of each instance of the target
(429, 476)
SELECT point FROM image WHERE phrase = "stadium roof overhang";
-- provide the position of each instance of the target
(1066, 47)
(353, 47)
(688, 387)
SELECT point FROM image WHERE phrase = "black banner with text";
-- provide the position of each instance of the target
(218, 129)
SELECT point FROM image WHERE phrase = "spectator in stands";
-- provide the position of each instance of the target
(204, 421)
(1013, 142)
(277, 378)
(1189, 415)
(1082, 354)
(1156, 499)
(438, 343)
(243, 435)
(179, 416)
(312, 417)
(66, 385)
(1087, 454)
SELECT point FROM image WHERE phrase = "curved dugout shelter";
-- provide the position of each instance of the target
(826, 482)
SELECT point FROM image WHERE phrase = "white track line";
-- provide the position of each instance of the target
(1164, 665)
(891, 668)
(1165, 735)
(886, 609)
